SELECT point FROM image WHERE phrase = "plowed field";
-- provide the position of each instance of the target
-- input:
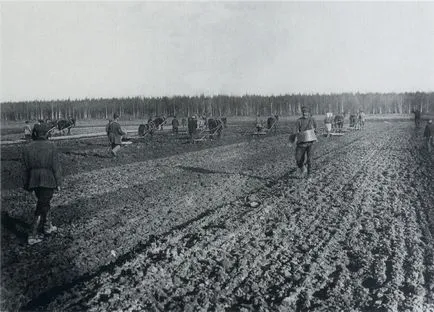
(168, 226)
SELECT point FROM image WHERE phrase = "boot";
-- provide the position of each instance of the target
(48, 226)
(34, 238)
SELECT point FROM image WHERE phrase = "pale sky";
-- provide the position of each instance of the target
(55, 50)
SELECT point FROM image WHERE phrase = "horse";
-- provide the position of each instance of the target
(338, 122)
(144, 129)
(272, 123)
(64, 124)
(417, 117)
(159, 122)
(152, 125)
(215, 126)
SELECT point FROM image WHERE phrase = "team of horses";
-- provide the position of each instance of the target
(213, 125)
(61, 126)
(152, 125)
(357, 121)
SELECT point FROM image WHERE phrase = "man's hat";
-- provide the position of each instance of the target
(305, 109)
(115, 115)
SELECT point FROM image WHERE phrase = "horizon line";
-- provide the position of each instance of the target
(213, 95)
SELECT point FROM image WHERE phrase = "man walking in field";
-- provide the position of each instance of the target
(305, 130)
(42, 174)
(328, 121)
(259, 123)
(115, 133)
(417, 116)
(361, 120)
(428, 135)
(175, 125)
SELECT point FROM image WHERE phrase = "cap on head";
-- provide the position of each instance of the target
(115, 115)
(305, 109)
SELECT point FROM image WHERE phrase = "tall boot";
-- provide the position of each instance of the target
(33, 237)
(48, 226)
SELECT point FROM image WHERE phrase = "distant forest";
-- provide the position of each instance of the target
(220, 105)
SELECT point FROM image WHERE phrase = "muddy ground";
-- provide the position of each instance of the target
(168, 226)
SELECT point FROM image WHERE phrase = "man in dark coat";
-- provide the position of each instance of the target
(417, 117)
(115, 133)
(304, 148)
(43, 175)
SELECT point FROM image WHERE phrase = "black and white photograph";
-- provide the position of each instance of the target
(217, 156)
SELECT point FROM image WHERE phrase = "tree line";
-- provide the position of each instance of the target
(219, 105)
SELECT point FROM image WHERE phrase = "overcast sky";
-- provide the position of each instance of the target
(107, 49)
